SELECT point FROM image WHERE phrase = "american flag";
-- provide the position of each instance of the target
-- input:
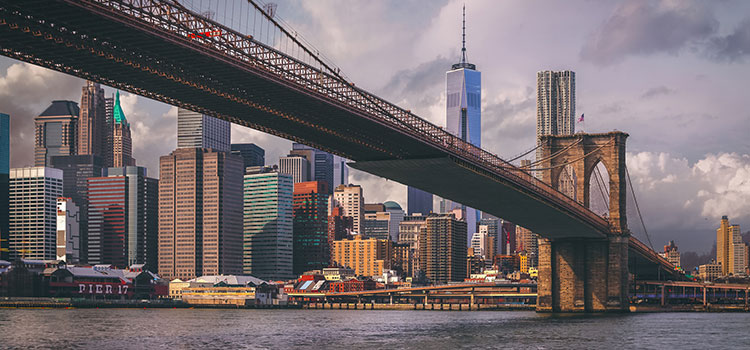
(580, 119)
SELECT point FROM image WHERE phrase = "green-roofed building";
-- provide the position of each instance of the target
(122, 145)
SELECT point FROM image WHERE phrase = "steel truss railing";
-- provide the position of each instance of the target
(176, 23)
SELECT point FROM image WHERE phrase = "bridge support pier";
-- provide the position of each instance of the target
(583, 275)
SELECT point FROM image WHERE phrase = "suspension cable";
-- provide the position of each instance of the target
(523, 154)
(632, 191)
(600, 184)
(554, 155)
(563, 164)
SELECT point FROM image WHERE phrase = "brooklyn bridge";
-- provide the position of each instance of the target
(250, 70)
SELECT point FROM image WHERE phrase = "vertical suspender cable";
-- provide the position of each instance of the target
(630, 184)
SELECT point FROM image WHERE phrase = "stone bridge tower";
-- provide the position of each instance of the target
(584, 275)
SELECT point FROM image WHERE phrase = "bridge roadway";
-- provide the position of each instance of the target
(148, 47)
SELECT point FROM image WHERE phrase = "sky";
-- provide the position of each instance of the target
(672, 74)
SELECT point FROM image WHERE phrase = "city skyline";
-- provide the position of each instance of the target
(658, 162)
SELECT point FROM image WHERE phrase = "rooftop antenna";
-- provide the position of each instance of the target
(463, 36)
(463, 63)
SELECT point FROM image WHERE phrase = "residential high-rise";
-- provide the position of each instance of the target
(464, 113)
(296, 166)
(484, 243)
(409, 231)
(122, 144)
(200, 213)
(195, 130)
(442, 249)
(367, 256)
(527, 241)
(671, 254)
(351, 199)
(67, 240)
(418, 201)
(268, 240)
(320, 163)
(92, 122)
(730, 250)
(311, 250)
(4, 183)
(376, 225)
(555, 115)
(76, 171)
(56, 132)
(555, 103)
(250, 153)
(340, 227)
(33, 212)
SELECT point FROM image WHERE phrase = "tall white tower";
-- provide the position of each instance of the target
(463, 113)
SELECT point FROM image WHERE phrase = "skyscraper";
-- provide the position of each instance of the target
(200, 213)
(33, 212)
(123, 223)
(4, 183)
(340, 172)
(418, 201)
(250, 153)
(320, 163)
(555, 103)
(92, 122)
(464, 111)
(527, 241)
(195, 130)
(351, 199)
(76, 171)
(340, 226)
(555, 115)
(297, 166)
(56, 132)
(442, 249)
(122, 144)
(268, 245)
(311, 250)
(730, 250)
(67, 241)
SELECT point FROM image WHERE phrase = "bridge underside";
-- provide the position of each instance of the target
(479, 189)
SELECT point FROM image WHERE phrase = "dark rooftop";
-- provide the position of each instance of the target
(61, 107)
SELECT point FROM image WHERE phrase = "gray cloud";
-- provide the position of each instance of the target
(646, 27)
(733, 47)
(25, 91)
(656, 91)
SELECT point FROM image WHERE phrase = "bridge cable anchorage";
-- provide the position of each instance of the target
(554, 155)
(638, 209)
(563, 164)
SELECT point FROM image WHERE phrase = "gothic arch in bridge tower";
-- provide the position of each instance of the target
(582, 153)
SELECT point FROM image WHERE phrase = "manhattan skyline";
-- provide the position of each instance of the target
(679, 97)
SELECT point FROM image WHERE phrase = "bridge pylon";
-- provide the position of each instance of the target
(585, 275)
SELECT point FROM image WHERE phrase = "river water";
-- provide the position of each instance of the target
(106, 329)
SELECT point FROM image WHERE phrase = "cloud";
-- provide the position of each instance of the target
(25, 92)
(645, 27)
(733, 47)
(684, 201)
(657, 91)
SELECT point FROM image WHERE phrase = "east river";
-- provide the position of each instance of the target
(106, 329)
